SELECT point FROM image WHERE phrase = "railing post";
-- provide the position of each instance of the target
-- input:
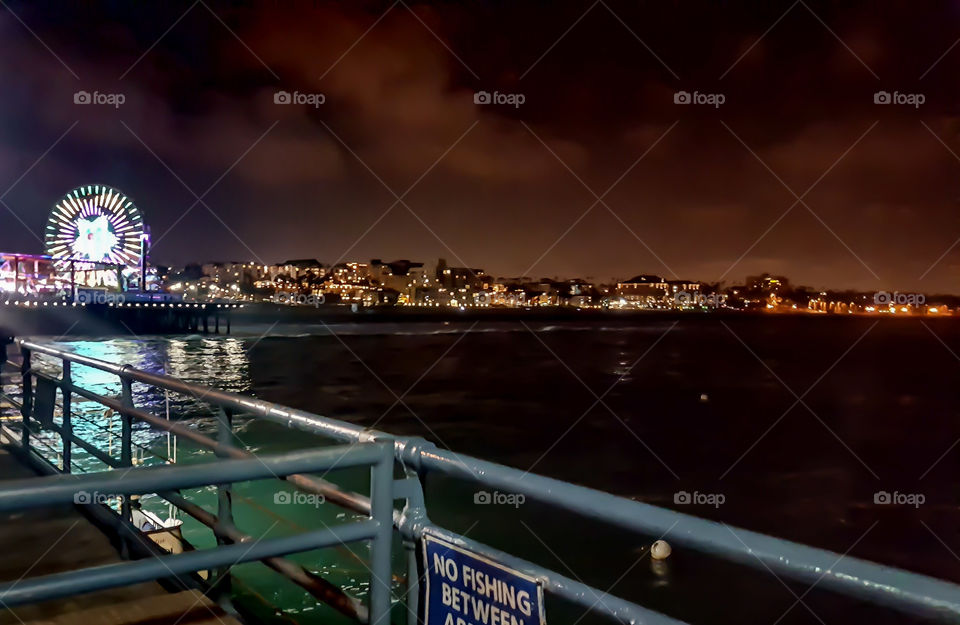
(224, 498)
(381, 510)
(27, 397)
(66, 428)
(126, 438)
(413, 582)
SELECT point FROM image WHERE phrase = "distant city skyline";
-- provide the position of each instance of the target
(308, 282)
(608, 280)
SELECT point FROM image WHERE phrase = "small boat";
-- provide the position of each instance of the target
(166, 533)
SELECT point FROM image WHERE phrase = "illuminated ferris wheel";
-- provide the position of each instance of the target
(96, 223)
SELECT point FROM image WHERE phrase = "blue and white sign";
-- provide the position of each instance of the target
(465, 588)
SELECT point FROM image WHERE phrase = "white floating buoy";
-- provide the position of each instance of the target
(660, 550)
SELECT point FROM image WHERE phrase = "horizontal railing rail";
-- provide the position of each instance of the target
(67, 489)
(126, 573)
(905, 591)
(62, 489)
(881, 584)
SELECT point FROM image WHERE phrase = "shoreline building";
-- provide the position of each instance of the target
(405, 277)
(642, 291)
(651, 291)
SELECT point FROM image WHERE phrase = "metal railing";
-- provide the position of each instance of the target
(63, 489)
(911, 593)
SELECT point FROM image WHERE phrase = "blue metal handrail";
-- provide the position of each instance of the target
(64, 489)
(902, 590)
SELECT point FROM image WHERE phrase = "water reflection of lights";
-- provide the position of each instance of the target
(221, 363)
(623, 367)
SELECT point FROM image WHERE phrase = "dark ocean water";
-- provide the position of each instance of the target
(797, 422)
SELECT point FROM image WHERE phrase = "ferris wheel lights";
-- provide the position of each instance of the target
(96, 223)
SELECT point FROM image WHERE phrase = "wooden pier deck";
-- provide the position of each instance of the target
(58, 539)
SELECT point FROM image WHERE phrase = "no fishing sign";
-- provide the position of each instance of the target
(465, 588)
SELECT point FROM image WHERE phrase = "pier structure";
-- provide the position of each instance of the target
(30, 317)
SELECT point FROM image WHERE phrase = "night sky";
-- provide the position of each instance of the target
(695, 191)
